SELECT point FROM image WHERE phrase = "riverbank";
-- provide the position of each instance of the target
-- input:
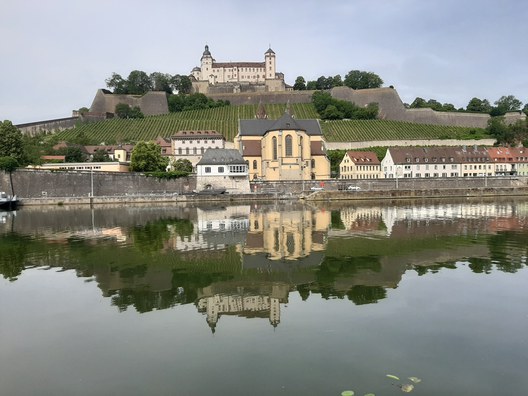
(323, 195)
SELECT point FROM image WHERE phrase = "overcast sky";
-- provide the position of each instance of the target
(55, 54)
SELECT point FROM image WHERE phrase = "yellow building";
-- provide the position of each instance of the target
(283, 149)
(360, 165)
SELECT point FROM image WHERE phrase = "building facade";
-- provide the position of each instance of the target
(283, 149)
(212, 73)
(192, 145)
(360, 165)
(222, 169)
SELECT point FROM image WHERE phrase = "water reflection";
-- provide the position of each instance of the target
(244, 260)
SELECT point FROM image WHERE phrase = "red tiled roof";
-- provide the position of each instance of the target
(362, 157)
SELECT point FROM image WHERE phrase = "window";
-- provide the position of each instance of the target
(254, 164)
(207, 169)
(220, 169)
(289, 149)
(274, 145)
(313, 163)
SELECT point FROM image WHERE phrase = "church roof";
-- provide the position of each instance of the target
(221, 156)
(269, 51)
(259, 127)
(226, 65)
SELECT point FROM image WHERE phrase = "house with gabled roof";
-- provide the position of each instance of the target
(416, 162)
(222, 169)
(509, 161)
(283, 149)
(192, 144)
(360, 165)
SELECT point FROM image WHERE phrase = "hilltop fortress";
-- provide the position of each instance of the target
(234, 77)
(259, 82)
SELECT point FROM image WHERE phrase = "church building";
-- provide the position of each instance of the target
(283, 149)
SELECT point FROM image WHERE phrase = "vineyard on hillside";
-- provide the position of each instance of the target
(366, 130)
(225, 121)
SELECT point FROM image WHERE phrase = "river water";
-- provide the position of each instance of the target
(265, 299)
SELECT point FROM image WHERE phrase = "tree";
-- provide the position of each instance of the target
(122, 110)
(72, 153)
(101, 155)
(478, 105)
(117, 83)
(138, 83)
(525, 109)
(182, 165)
(11, 142)
(8, 164)
(161, 82)
(300, 84)
(418, 103)
(146, 157)
(311, 85)
(508, 103)
(181, 84)
(332, 113)
(357, 79)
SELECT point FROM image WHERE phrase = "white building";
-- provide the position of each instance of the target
(222, 169)
(191, 145)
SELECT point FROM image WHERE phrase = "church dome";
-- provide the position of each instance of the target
(206, 52)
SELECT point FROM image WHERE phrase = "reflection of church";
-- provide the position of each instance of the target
(289, 235)
(251, 302)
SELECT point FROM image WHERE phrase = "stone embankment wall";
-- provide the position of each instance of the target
(59, 124)
(36, 187)
(60, 184)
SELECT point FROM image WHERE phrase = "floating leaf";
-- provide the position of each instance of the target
(393, 377)
(407, 388)
(416, 380)
(347, 393)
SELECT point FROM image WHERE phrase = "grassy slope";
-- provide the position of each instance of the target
(225, 121)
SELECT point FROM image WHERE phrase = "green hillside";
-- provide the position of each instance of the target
(225, 121)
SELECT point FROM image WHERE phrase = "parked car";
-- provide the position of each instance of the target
(317, 188)
(353, 188)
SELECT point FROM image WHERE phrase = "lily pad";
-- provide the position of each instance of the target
(407, 388)
(393, 377)
(347, 393)
(416, 380)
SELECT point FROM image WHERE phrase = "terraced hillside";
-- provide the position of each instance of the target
(225, 121)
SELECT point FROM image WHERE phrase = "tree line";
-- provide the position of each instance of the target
(355, 79)
(177, 87)
(503, 105)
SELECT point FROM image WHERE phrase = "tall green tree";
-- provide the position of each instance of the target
(146, 157)
(122, 110)
(479, 105)
(300, 84)
(508, 103)
(117, 83)
(357, 79)
(101, 155)
(138, 83)
(181, 84)
(182, 165)
(161, 82)
(11, 142)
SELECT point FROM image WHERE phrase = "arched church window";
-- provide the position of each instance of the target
(274, 144)
(254, 164)
(289, 150)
